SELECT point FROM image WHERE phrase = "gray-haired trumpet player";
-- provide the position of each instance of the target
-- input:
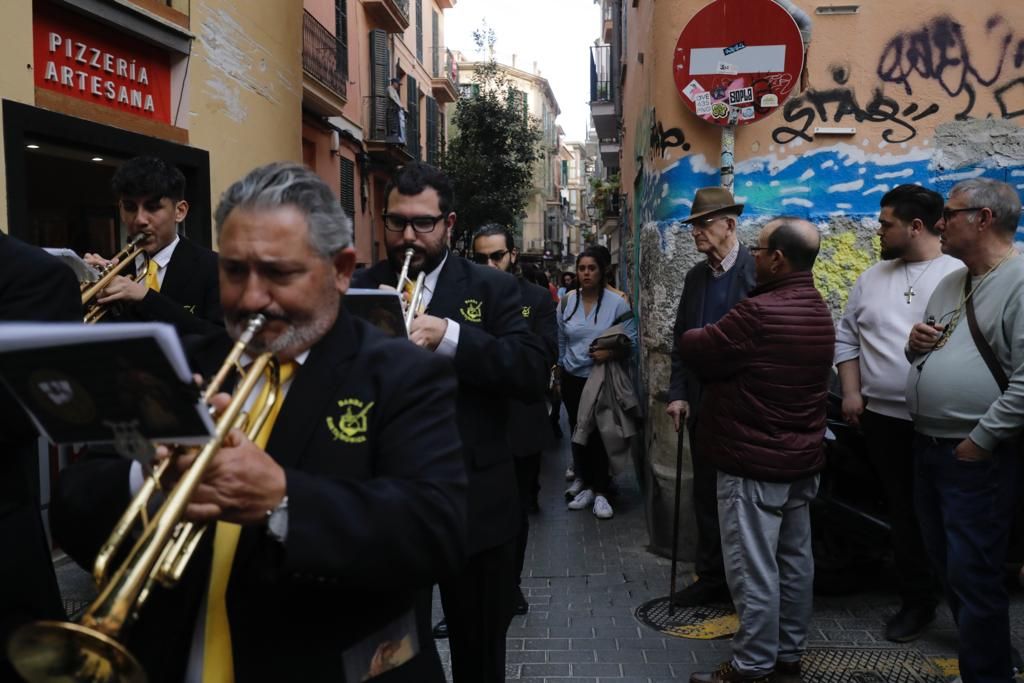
(330, 526)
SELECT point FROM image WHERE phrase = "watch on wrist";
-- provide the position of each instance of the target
(277, 521)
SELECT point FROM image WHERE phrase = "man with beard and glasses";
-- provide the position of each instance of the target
(472, 315)
(332, 525)
(181, 282)
(528, 434)
(885, 302)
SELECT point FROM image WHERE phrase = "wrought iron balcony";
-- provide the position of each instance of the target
(324, 57)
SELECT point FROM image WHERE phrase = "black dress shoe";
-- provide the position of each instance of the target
(702, 592)
(522, 607)
(909, 623)
(441, 629)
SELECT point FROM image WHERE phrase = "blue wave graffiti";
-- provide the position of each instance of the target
(842, 180)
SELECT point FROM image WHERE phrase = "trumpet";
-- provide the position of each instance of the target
(91, 290)
(412, 306)
(90, 650)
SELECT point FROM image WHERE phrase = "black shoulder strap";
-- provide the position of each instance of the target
(984, 348)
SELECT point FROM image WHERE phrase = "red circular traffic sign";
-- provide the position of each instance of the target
(737, 61)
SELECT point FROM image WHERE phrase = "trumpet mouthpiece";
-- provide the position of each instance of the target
(252, 327)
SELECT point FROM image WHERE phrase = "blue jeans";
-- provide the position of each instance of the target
(965, 510)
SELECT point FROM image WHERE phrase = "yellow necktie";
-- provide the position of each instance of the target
(152, 281)
(218, 665)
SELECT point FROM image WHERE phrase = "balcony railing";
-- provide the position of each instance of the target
(601, 73)
(444, 64)
(323, 55)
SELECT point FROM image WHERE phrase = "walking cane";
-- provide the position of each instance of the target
(675, 519)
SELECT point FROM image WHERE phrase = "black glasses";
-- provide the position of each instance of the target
(949, 213)
(397, 223)
(703, 223)
(755, 248)
(495, 256)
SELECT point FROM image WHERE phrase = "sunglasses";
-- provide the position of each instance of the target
(494, 256)
(949, 213)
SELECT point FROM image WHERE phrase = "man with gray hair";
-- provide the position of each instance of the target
(965, 393)
(334, 522)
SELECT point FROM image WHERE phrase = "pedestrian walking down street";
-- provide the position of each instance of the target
(584, 315)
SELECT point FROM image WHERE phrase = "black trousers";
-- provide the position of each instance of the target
(478, 607)
(527, 473)
(890, 444)
(708, 565)
(590, 461)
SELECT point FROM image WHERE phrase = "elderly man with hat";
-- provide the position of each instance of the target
(711, 288)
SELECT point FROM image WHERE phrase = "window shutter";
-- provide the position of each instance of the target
(419, 30)
(380, 61)
(435, 35)
(348, 187)
(341, 33)
(412, 124)
(433, 155)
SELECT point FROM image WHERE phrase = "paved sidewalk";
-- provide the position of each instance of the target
(584, 579)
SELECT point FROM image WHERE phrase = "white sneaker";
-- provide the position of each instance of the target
(574, 489)
(570, 473)
(602, 508)
(583, 500)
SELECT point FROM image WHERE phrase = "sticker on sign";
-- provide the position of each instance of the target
(703, 103)
(692, 90)
(753, 59)
(741, 96)
(726, 68)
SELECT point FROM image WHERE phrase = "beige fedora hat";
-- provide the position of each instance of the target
(709, 200)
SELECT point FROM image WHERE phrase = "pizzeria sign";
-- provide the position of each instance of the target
(90, 61)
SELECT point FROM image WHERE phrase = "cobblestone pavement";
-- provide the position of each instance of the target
(584, 579)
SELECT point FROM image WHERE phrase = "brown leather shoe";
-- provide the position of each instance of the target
(727, 674)
(787, 672)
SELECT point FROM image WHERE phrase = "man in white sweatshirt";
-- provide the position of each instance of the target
(886, 301)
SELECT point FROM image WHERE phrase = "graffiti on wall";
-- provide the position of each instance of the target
(841, 105)
(939, 52)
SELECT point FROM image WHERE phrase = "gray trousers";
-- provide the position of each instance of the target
(766, 545)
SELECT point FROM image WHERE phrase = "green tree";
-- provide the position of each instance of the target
(494, 145)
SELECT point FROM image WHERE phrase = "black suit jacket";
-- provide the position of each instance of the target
(33, 286)
(189, 297)
(529, 431)
(497, 359)
(377, 514)
(684, 384)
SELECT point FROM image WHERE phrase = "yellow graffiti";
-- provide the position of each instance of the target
(711, 629)
(839, 263)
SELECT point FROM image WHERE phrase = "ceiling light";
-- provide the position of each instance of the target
(97, 158)
(32, 146)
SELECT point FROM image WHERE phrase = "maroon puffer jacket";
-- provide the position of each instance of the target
(766, 368)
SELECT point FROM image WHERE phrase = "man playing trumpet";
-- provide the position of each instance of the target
(345, 508)
(180, 285)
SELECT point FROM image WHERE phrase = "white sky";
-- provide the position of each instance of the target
(557, 34)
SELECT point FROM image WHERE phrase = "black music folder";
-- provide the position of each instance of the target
(126, 384)
(379, 307)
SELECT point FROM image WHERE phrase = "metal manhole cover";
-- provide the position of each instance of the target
(868, 665)
(706, 622)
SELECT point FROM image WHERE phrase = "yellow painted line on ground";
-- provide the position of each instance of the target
(947, 666)
(719, 627)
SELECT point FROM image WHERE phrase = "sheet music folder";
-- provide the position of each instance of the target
(381, 308)
(127, 384)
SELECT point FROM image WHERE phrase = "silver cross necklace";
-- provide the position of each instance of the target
(910, 293)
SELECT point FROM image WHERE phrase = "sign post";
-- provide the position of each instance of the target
(736, 62)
